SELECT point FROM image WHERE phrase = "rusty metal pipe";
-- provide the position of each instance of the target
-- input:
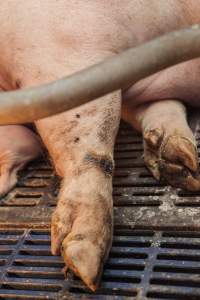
(115, 73)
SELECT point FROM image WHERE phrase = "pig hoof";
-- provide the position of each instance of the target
(82, 231)
(153, 137)
(152, 142)
(173, 158)
(84, 258)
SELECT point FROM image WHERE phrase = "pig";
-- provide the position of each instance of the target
(44, 40)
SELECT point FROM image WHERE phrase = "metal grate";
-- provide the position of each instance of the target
(142, 265)
(156, 248)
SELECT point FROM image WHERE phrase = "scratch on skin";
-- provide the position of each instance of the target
(103, 162)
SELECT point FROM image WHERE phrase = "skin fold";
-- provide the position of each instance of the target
(43, 40)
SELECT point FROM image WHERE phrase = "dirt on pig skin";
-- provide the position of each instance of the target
(43, 40)
(82, 224)
(170, 150)
(86, 236)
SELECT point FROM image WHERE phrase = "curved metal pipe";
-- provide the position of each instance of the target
(118, 72)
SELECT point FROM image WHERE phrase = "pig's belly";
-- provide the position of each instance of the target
(181, 82)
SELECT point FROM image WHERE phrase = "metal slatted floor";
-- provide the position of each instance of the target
(156, 247)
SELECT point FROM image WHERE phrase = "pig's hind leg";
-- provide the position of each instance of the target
(18, 146)
(81, 144)
(170, 150)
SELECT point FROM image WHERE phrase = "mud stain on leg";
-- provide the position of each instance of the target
(103, 162)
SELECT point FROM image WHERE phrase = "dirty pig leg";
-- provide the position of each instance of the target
(170, 150)
(81, 142)
(18, 146)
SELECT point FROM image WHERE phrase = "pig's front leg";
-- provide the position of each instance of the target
(170, 150)
(18, 146)
(81, 144)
